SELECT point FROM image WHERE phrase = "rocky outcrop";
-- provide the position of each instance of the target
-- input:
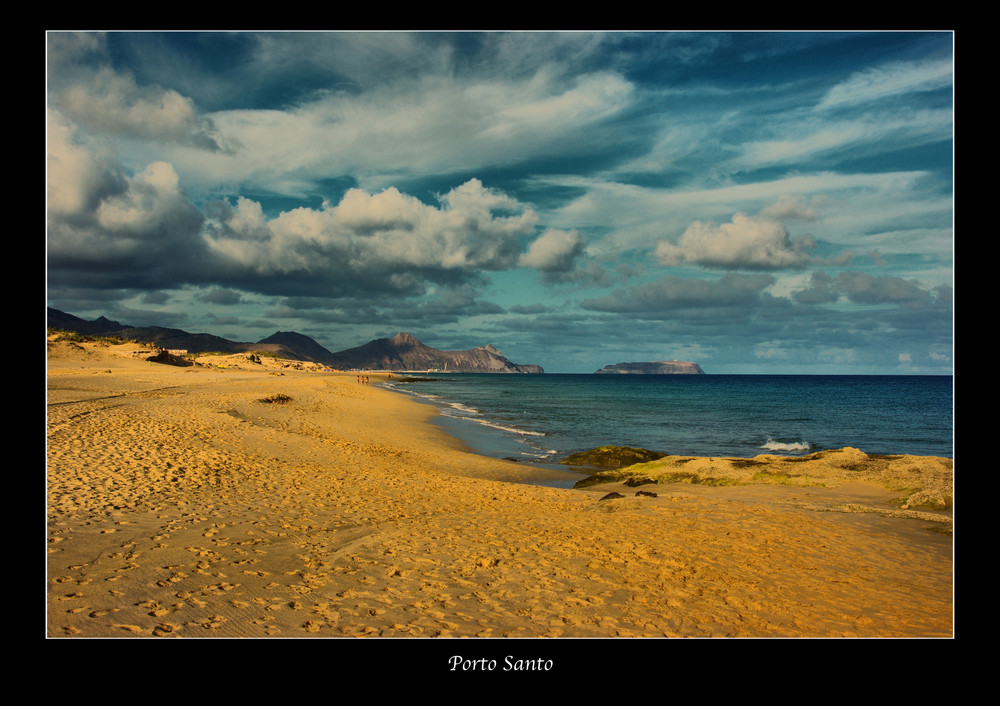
(656, 367)
(921, 486)
(612, 457)
(167, 358)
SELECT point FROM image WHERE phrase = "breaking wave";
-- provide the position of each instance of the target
(773, 445)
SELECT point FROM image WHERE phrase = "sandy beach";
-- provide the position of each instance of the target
(257, 498)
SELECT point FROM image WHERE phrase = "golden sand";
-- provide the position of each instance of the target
(266, 499)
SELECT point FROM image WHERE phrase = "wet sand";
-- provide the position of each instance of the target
(263, 500)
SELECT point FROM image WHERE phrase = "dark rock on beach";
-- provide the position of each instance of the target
(612, 457)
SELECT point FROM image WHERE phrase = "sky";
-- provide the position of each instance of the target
(755, 202)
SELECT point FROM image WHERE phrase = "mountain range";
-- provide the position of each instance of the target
(402, 352)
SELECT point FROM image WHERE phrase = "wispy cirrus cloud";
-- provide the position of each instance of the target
(888, 81)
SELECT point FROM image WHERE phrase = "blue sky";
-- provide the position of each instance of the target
(756, 202)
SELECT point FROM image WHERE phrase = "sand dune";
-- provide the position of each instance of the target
(258, 499)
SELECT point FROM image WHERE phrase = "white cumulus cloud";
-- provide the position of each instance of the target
(473, 229)
(553, 251)
(758, 242)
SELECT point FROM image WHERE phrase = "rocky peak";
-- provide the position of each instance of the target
(404, 352)
(403, 338)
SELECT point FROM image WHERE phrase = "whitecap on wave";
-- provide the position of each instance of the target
(773, 445)
(457, 410)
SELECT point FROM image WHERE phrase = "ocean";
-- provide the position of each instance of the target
(544, 418)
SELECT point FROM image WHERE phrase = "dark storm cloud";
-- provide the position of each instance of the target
(108, 229)
(863, 288)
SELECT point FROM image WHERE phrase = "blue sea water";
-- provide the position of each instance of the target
(543, 418)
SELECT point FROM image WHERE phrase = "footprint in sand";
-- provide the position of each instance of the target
(165, 629)
(128, 628)
(211, 623)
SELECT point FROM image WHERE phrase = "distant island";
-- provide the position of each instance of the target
(401, 353)
(656, 367)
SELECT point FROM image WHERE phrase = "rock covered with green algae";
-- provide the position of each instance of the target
(925, 481)
(612, 457)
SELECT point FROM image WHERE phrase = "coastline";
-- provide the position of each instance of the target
(547, 418)
(191, 502)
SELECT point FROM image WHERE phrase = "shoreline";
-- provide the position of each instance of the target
(922, 481)
(539, 417)
(183, 503)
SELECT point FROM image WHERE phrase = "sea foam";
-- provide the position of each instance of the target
(773, 445)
